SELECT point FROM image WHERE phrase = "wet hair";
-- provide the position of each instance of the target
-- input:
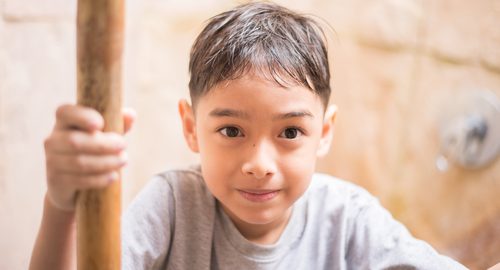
(265, 39)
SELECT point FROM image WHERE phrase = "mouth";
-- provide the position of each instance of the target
(258, 195)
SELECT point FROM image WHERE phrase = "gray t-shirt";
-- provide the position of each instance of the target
(176, 223)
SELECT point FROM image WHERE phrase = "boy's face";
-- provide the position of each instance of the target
(258, 144)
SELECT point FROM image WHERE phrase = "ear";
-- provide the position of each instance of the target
(188, 125)
(327, 131)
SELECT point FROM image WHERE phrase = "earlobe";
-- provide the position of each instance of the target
(327, 131)
(188, 125)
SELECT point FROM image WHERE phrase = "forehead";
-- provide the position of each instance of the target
(253, 92)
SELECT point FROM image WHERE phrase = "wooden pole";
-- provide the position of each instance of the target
(99, 51)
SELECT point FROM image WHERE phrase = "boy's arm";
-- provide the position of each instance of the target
(378, 241)
(78, 156)
(55, 245)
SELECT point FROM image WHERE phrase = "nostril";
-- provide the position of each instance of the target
(255, 173)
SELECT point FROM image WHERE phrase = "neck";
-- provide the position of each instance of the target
(265, 234)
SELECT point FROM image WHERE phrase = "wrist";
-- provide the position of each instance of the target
(62, 203)
(56, 213)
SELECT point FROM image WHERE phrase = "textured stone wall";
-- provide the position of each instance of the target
(399, 67)
(396, 66)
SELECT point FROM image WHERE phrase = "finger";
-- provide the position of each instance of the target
(96, 180)
(77, 142)
(78, 117)
(86, 164)
(129, 116)
(63, 188)
(89, 181)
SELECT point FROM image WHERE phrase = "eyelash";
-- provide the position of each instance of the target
(225, 128)
(240, 134)
(299, 130)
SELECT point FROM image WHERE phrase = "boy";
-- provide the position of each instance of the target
(259, 119)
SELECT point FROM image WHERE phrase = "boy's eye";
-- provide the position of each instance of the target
(230, 132)
(290, 133)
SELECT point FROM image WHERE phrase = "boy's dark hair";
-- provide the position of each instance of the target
(265, 38)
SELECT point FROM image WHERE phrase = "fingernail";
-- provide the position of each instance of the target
(120, 146)
(113, 176)
(96, 124)
(119, 142)
(123, 157)
(132, 113)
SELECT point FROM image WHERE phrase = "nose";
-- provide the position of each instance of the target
(260, 162)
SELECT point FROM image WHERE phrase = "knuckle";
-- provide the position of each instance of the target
(94, 114)
(74, 142)
(81, 163)
(50, 180)
(107, 148)
(52, 163)
(109, 143)
(49, 161)
(61, 111)
(118, 140)
(113, 137)
(47, 143)
(100, 181)
(99, 147)
(100, 143)
(94, 181)
(113, 163)
(79, 182)
(107, 165)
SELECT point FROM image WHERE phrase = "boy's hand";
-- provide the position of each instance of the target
(80, 156)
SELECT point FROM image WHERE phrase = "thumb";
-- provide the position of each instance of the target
(129, 116)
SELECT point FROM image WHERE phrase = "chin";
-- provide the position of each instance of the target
(260, 217)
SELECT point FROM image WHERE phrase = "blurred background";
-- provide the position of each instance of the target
(417, 84)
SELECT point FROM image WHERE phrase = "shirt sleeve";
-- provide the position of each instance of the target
(146, 227)
(378, 241)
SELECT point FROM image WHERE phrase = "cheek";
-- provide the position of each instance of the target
(304, 157)
(297, 171)
(299, 166)
(300, 169)
(214, 177)
(218, 166)
(217, 160)
(297, 181)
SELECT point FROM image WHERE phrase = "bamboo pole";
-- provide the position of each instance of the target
(99, 51)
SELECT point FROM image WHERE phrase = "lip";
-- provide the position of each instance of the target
(258, 195)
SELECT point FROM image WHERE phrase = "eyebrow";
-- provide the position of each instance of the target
(243, 115)
(294, 114)
(228, 113)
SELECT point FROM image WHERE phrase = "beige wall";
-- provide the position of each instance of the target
(396, 65)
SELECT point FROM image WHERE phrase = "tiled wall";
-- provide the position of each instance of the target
(396, 66)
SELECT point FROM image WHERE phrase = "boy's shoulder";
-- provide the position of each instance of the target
(185, 183)
(337, 185)
(183, 175)
(323, 180)
(338, 193)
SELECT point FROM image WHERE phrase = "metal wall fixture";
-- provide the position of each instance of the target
(470, 131)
